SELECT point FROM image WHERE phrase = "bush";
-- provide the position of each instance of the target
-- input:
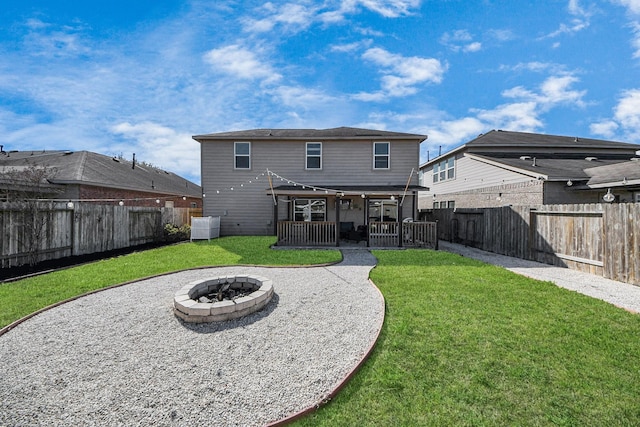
(173, 233)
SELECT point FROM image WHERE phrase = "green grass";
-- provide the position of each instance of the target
(18, 299)
(465, 343)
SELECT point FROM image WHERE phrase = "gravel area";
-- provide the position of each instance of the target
(120, 357)
(623, 295)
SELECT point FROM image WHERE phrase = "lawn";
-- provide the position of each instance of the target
(464, 343)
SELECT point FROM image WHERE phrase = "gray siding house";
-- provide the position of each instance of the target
(515, 168)
(309, 186)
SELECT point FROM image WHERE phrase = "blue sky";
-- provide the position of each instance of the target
(142, 77)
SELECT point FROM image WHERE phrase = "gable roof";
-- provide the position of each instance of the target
(548, 168)
(297, 134)
(507, 144)
(88, 168)
(619, 174)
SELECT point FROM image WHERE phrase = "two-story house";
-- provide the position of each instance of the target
(516, 168)
(310, 186)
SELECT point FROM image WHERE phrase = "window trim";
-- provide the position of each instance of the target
(441, 170)
(236, 155)
(376, 156)
(307, 156)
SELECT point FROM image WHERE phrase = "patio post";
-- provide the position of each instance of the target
(337, 227)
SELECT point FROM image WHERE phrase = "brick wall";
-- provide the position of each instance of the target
(104, 195)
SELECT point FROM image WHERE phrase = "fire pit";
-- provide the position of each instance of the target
(222, 298)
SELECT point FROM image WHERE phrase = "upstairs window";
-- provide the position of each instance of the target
(444, 170)
(381, 155)
(242, 155)
(314, 155)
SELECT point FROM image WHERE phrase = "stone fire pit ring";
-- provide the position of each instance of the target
(253, 293)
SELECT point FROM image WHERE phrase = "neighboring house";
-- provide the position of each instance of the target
(260, 180)
(514, 168)
(91, 177)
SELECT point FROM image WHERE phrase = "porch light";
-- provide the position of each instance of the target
(609, 197)
(121, 203)
(392, 197)
(569, 183)
(158, 201)
(363, 196)
(70, 205)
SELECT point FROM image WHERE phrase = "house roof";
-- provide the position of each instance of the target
(619, 174)
(505, 144)
(88, 168)
(551, 169)
(297, 134)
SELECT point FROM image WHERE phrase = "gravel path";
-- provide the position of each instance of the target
(623, 295)
(120, 357)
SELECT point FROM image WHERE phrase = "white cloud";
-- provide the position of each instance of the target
(391, 8)
(350, 47)
(633, 8)
(632, 5)
(401, 74)
(460, 40)
(298, 16)
(581, 20)
(161, 146)
(451, 132)
(627, 112)
(554, 90)
(625, 123)
(534, 66)
(472, 47)
(605, 128)
(241, 62)
(290, 16)
(302, 97)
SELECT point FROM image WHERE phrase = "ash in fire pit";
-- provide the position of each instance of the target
(222, 298)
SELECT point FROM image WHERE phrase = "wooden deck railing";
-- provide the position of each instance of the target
(420, 234)
(381, 234)
(303, 233)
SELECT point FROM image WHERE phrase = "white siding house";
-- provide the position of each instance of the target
(514, 168)
(255, 179)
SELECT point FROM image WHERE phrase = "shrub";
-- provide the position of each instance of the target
(173, 233)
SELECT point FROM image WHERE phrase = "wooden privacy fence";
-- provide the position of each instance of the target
(81, 229)
(596, 238)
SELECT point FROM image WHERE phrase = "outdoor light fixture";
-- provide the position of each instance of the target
(569, 183)
(609, 197)
(121, 203)
(158, 201)
(70, 204)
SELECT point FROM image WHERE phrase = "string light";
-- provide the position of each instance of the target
(294, 183)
